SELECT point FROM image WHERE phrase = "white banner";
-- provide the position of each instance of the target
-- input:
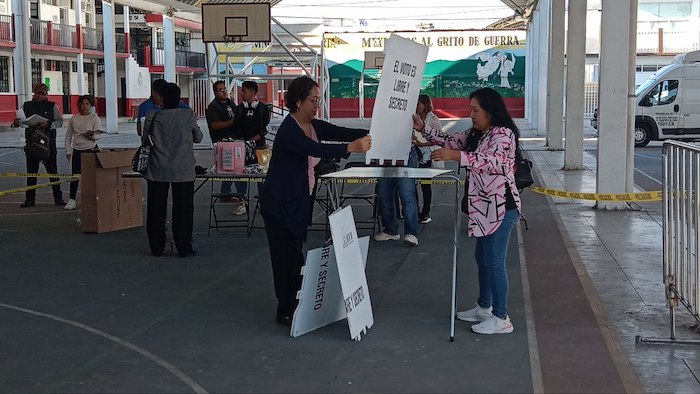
(397, 96)
(351, 271)
(321, 298)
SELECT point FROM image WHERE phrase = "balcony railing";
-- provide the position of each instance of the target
(182, 58)
(6, 33)
(39, 32)
(66, 36)
(668, 41)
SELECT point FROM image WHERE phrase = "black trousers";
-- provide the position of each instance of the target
(51, 168)
(76, 164)
(287, 260)
(182, 215)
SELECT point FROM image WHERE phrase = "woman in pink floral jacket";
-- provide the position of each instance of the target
(493, 200)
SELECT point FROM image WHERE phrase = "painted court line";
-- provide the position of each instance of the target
(169, 367)
(535, 367)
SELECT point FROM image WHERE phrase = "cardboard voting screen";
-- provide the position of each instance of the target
(321, 298)
(397, 96)
(351, 271)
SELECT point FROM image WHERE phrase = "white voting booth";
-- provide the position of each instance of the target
(334, 284)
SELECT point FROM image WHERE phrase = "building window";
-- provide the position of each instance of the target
(664, 11)
(36, 72)
(4, 74)
(182, 40)
(34, 9)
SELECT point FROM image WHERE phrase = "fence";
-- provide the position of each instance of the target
(6, 28)
(681, 241)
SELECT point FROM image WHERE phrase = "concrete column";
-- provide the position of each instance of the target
(613, 104)
(575, 84)
(213, 67)
(543, 59)
(80, 58)
(631, 99)
(169, 48)
(110, 56)
(528, 75)
(555, 84)
(21, 55)
(534, 43)
(127, 74)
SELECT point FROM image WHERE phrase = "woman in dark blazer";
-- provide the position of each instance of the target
(286, 195)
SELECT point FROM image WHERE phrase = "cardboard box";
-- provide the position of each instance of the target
(109, 202)
(230, 157)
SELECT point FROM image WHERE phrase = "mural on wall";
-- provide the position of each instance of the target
(459, 62)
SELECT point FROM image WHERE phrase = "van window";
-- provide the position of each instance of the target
(664, 93)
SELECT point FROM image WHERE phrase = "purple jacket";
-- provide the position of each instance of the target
(489, 169)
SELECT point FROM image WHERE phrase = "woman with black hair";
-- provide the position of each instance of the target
(286, 196)
(80, 138)
(493, 200)
(173, 132)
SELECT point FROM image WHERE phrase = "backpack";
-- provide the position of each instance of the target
(38, 144)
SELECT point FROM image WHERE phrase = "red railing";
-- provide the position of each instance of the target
(6, 30)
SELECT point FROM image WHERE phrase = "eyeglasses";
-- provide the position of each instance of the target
(314, 100)
(41, 93)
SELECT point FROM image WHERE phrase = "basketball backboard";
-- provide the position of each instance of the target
(236, 21)
(374, 60)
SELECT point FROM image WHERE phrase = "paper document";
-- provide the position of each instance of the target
(34, 120)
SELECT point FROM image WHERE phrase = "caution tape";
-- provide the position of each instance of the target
(29, 175)
(624, 197)
(26, 188)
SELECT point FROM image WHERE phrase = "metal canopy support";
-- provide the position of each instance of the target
(301, 55)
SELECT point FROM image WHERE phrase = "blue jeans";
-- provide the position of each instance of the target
(241, 188)
(386, 188)
(226, 187)
(490, 254)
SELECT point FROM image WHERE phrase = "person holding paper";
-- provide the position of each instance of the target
(41, 106)
(173, 132)
(83, 130)
(493, 201)
(287, 195)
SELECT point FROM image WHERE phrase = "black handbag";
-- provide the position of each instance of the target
(139, 163)
(523, 173)
(38, 144)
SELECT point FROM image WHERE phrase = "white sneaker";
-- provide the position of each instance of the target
(494, 325)
(71, 204)
(410, 240)
(475, 314)
(386, 237)
(426, 220)
(241, 210)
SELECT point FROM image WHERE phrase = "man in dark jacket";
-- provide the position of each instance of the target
(221, 114)
(40, 105)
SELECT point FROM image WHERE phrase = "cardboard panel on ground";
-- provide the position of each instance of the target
(109, 202)
(321, 298)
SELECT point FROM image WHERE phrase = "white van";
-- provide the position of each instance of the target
(668, 103)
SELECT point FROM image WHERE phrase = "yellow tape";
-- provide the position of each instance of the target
(26, 175)
(624, 197)
(24, 189)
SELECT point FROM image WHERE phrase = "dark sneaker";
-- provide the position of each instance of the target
(27, 204)
(60, 203)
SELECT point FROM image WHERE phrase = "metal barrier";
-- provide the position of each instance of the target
(681, 238)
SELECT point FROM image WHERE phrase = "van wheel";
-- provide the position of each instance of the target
(642, 135)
